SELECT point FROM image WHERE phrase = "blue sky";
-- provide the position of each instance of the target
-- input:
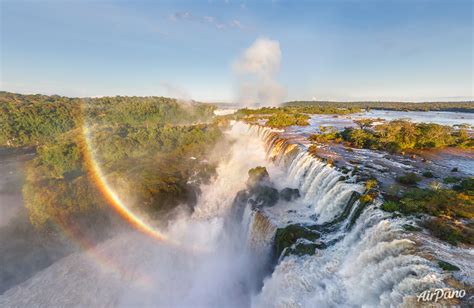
(337, 50)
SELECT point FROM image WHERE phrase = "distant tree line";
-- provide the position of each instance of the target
(29, 120)
(298, 109)
(466, 106)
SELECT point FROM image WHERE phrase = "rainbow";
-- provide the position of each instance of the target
(100, 181)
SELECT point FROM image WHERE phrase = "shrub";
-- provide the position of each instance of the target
(450, 232)
(391, 206)
(409, 178)
(451, 179)
(371, 183)
(466, 186)
(366, 198)
(428, 174)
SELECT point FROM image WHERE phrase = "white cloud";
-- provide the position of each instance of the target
(209, 20)
(236, 24)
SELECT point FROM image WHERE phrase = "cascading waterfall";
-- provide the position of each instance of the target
(372, 264)
(323, 192)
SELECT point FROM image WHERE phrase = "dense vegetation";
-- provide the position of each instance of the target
(29, 120)
(280, 117)
(151, 149)
(153, 146)
(400, 106)
(398, 135)
(445, 206)
(281, 120)
(328, 109)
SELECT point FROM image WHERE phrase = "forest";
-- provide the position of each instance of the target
(298, 109)
(157, 136)
(151, 147)
(467, 106)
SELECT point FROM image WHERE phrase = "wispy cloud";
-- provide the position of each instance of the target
(208, 20)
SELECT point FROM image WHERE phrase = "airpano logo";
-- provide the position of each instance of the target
(440, 294)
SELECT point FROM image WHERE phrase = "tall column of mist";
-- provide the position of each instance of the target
(257, 70)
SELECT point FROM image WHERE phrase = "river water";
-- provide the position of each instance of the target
(341, 121)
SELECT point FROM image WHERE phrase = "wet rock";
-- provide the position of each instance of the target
(304, 248)
(290, 194)
(239, 204)
(263, 196)
(258, 176)
(286, 237)
(259, 193)
(447, 266)
(358, 211)
(347, 210)
(410, 228)
(345, 170)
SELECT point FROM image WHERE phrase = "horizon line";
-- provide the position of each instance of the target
(448, 99)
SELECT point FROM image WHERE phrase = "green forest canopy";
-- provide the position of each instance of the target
(149, 141)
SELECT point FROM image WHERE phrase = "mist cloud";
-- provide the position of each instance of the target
(257, 69)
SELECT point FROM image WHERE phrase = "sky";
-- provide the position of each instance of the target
(222, 50)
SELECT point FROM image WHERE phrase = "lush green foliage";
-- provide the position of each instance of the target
(281, 120)
(33, 119)
(279, 117)
(400, 135)
(450, 230)
(428, 174)
(151, 146)
(327, 134)
(29, 120)
(444, 205)
(145, 111)
(298, 109)
(409, 178)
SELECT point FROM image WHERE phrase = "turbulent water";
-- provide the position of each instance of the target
(373, 263)
(369, 261)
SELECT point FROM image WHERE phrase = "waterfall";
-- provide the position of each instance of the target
(372, 262)
(319, 184)
(261, 230)
(371, 266)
